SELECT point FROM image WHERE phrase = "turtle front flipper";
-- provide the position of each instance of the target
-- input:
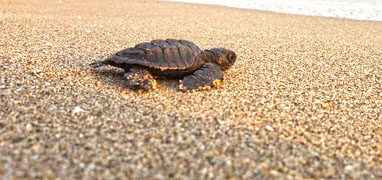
(140, 78)
(209, 75)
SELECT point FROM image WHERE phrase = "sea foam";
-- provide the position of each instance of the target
(350, 9)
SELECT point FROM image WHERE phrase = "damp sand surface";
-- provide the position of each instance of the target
(304, 99)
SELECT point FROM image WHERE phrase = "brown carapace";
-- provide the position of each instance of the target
(171, 59)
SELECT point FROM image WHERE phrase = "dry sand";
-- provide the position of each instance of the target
(303, 101)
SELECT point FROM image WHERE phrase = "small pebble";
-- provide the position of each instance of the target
(269, 128)
(78, 109)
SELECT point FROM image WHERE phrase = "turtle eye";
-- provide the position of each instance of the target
(231, 57)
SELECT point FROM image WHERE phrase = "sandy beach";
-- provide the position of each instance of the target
(304, 99)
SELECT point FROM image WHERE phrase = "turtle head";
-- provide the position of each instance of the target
(224, 58)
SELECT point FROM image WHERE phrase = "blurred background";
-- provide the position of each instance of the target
(350, 9)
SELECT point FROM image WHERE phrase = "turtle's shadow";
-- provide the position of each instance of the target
(112, 76)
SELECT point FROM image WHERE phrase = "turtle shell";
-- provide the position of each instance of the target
(163, 55)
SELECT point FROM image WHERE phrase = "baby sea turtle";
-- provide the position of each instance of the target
(172, 59)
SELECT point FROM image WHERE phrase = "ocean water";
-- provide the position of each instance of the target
(350, 9)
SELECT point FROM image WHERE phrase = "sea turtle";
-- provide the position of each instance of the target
(172, 59)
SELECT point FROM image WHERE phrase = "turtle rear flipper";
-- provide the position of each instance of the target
(107, 61)
(99, 64)
(119, 61)
(140, 78)
(209, 75)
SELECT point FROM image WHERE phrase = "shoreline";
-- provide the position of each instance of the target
(339, 12)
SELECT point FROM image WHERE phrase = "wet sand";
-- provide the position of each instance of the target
(303, 100)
